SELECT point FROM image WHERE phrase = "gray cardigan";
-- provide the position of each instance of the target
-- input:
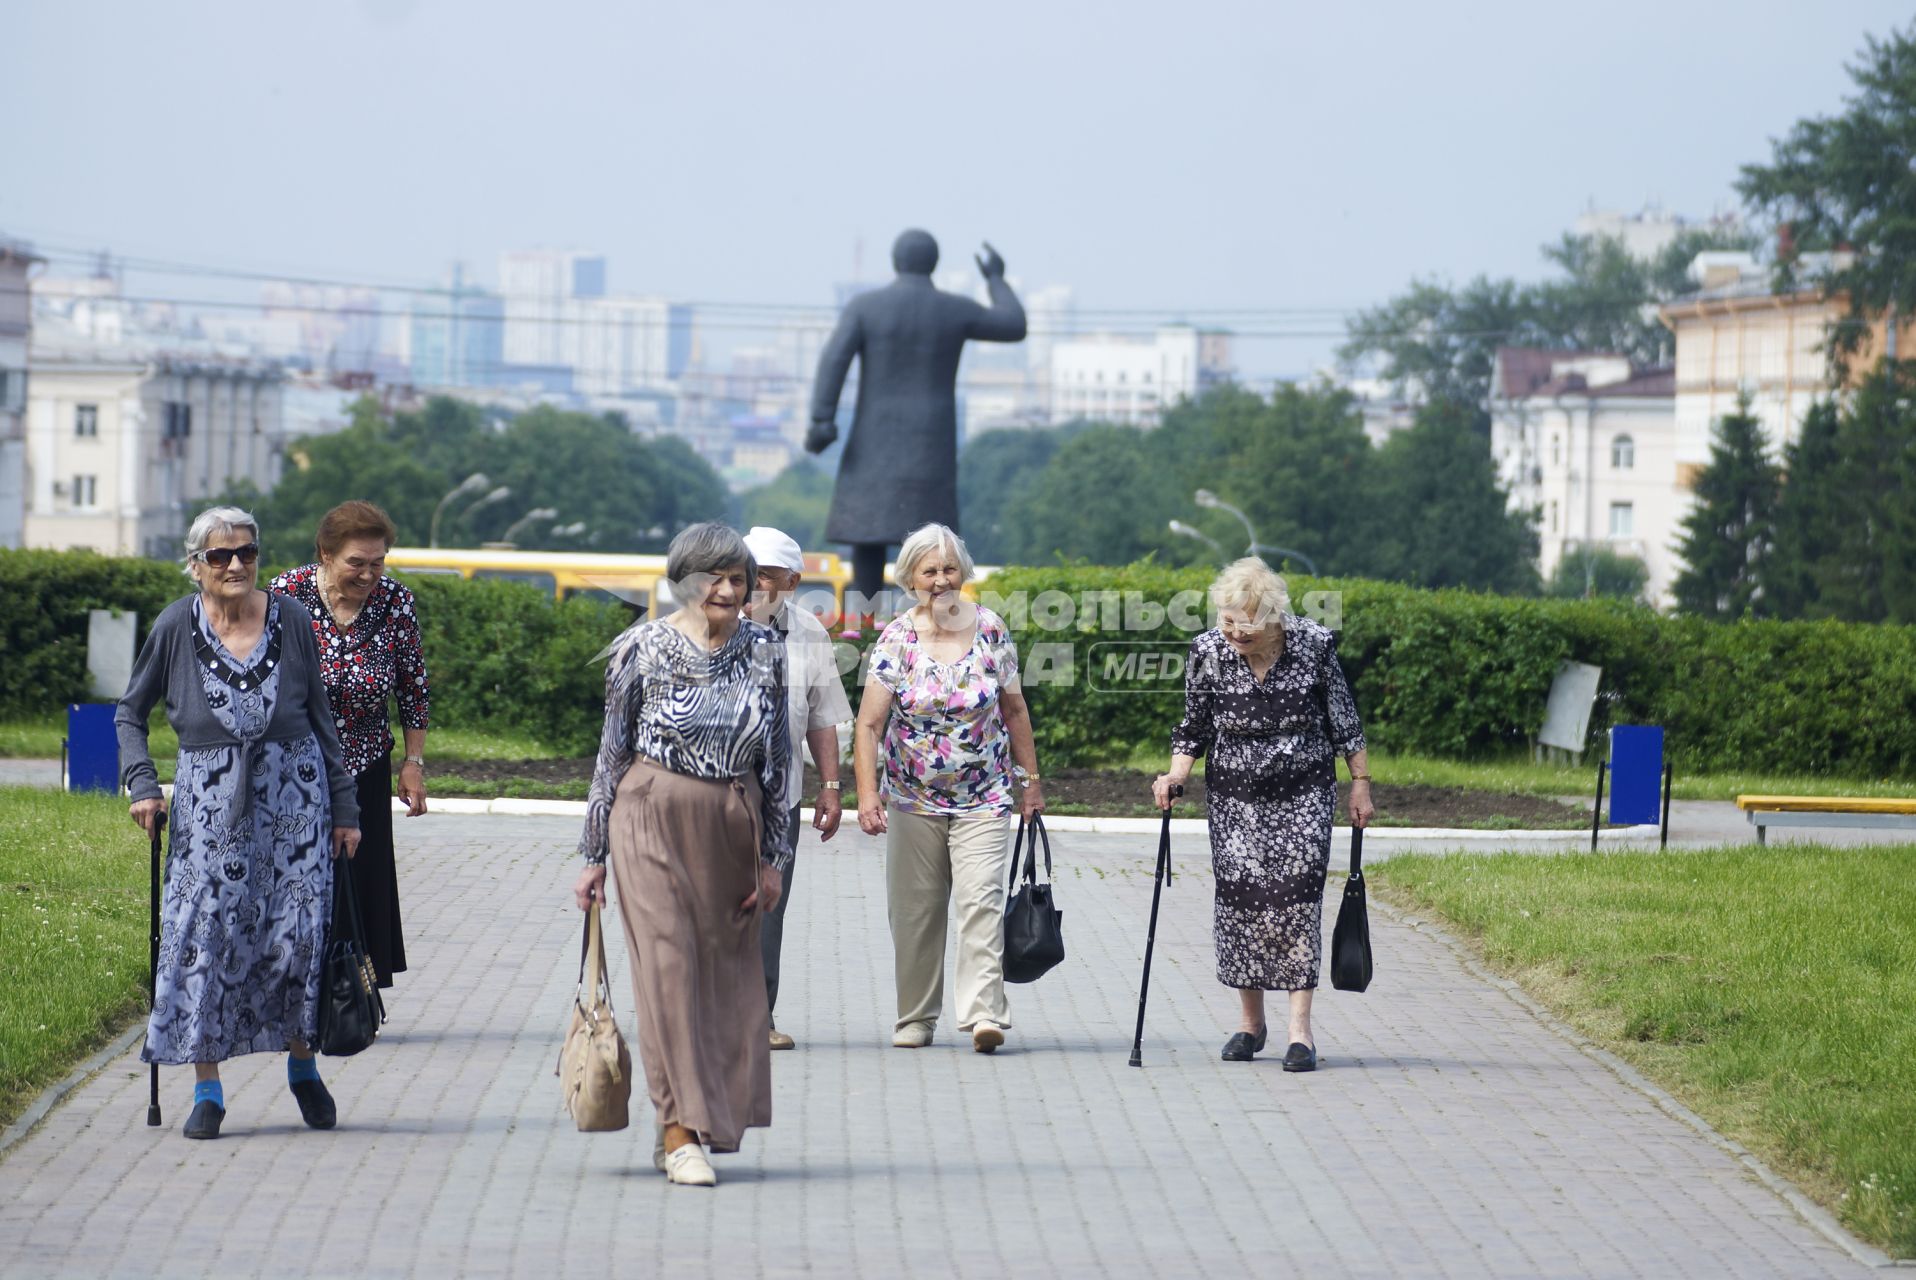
(167, 668)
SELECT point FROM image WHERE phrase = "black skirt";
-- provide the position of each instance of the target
(375, 877)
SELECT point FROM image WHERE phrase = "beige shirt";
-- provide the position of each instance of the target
(814, 694)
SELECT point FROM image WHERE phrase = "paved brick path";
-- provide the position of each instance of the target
(1450, 1133)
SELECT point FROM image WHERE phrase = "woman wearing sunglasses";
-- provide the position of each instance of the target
(262, 804)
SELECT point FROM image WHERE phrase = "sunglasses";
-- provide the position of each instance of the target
(220, 557)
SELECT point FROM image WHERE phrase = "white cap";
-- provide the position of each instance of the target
(771, 547)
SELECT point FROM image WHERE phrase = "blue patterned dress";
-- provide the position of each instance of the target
(249, 876)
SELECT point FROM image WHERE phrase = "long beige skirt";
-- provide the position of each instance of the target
(684, 854)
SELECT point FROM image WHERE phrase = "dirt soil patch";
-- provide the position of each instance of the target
(1127, 793)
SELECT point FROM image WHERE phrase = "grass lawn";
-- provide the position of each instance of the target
(1775, 994)
(73, 912)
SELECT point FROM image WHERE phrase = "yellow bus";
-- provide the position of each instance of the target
(634, 579)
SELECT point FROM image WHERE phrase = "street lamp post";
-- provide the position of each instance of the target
(1187, 531)
(572, 530)
(1205, 498)
(537, 513)
(471, 484)
(497, 495)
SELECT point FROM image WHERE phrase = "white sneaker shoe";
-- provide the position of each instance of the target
(913, 1035)
(688, 1167)
(987, 1036)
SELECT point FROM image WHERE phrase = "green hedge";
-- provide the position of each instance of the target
(501, 654)
(1459, 674)
(1447, 673)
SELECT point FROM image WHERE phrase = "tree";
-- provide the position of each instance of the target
(1442, 342)
(1813, 520)
(996, 471)
(797, 501)
(1107, 496)
(1590, 571)
(1847, 180)
(1727, 534)
(1869, 576)
(1438, 517)
(1299, 473)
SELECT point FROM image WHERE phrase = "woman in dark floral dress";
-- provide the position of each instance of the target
(369, 648)
(1265, 698)
(261, 806)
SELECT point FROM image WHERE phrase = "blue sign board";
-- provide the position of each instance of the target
(93, 749)
(1636, 773)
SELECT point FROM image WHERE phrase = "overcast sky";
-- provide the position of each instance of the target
(1176, 156)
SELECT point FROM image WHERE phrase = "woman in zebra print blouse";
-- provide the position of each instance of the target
(688, 805)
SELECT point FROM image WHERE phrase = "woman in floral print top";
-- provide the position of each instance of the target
(369, 651)
(943, 702)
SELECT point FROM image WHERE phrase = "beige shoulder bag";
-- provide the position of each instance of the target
(595, 1067)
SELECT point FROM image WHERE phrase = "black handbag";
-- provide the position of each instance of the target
(1034, 927)
(350, 1007)
(1350, 940)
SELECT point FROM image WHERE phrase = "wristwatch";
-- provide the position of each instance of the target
(833, 785)
(418, 760)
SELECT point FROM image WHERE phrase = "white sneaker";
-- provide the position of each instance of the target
(913, 1035)
(987, 1036)
(688, 1167)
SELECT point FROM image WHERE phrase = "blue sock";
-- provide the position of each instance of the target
(209, 1091)
(298, 1069)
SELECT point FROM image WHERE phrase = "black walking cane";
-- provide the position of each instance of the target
(153, 967)
(1159, 878)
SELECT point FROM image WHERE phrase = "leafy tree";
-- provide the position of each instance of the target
(1813, 520)
(1846, 180)
(1727, 534)
(997, 471)
(797, 501)
(1106, 496)
(1442, 342)
(1298, 466)
(1588, 572)
(1437, 515)
(588, 469)
(1869, 577)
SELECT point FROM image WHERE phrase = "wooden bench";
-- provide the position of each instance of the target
(1826, 811)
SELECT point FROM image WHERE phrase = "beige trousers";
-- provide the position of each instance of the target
(929, 861)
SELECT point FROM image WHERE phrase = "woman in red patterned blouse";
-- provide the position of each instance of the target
(369, 650)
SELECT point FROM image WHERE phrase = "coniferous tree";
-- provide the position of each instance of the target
(1727, 534)
(1813, 520)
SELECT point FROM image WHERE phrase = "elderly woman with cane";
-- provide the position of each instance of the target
(944, 706)
(262, 804)
(1266, 699)
(688, 804)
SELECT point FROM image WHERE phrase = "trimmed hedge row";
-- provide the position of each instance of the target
(501, 654)
(1448, 673)
(1455, 673)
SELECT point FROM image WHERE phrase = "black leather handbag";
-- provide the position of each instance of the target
(1350, 940)
(1034, 927)
(350, 1008)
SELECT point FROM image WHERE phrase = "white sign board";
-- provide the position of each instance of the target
(109, 652)
(1566, 720)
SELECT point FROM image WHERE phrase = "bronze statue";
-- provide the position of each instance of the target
(900, 466)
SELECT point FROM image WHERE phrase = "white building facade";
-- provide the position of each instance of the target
(119, 449)
(1589, 444)
(1110, 378)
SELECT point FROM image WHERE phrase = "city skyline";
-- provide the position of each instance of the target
(1446, 149)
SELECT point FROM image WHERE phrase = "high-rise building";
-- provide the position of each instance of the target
(538, 285)
(458, 337)
(16, 323)
(1120, 378)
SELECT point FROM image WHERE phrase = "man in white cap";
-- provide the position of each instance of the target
(818, 706)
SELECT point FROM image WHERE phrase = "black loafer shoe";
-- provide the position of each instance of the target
(315, 1104)
(1243, 1046)
(1300, 1057)
(205, 1120)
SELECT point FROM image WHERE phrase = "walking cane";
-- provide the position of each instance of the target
(1159, 878)
(153, 967)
